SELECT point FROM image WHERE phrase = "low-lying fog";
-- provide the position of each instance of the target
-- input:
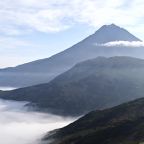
(18, 126)
(7, 88)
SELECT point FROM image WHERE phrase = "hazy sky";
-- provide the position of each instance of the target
(35, 29)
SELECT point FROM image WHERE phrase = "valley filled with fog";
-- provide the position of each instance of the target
(18, 125)
(7, 88)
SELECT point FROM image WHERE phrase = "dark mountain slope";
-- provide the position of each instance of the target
(93, 84)
(42, 71)
(123, 124)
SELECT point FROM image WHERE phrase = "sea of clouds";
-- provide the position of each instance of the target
(20, 126)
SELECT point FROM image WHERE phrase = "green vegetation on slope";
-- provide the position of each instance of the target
(123, 124)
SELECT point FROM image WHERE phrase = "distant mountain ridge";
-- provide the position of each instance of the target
(106, 33)
(42, 71)
(93, 84)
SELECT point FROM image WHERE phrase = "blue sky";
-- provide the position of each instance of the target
(35, 29)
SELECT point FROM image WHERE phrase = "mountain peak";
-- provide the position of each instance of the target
(110, 26)
(112, 32)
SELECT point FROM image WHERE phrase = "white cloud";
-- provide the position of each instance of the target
(122, 43)
(57, 15)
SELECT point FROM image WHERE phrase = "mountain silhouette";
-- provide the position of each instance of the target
(42, 71)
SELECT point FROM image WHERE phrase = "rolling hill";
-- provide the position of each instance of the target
(93, 84)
